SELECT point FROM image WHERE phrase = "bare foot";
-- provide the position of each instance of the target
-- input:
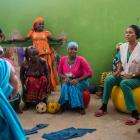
(100, 113)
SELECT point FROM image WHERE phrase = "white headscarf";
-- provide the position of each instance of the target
(72, 44)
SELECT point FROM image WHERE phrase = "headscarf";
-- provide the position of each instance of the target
(10, 127)
(38, 20)
(72, 44)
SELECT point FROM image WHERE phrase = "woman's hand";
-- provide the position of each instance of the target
(74, 81)
(119, 69)
(127, 76)
(117, 73)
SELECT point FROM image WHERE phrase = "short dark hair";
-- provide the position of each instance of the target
(136, 29)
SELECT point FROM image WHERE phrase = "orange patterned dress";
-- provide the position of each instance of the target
(40, 41)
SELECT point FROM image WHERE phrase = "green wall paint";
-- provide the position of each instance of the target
(96, 24)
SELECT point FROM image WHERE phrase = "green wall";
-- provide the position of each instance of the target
(96, 24)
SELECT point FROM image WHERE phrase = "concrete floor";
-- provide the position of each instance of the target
(109, 127)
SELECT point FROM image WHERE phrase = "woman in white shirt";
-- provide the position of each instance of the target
(127, 74)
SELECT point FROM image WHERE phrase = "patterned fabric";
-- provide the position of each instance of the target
(10, 127)
(102, 78)
(115, 61)
(36, 89)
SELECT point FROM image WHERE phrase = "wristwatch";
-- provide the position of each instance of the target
(133, 74)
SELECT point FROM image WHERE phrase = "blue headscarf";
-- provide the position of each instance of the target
(10, 127)
(72, 44)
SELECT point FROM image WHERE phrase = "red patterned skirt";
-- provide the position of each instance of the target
(37, 89)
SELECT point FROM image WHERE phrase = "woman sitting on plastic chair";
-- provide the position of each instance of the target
(74, 71)
(127, 74)
(10, 127)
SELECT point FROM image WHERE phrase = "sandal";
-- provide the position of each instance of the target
(131, 121)
(100, 113)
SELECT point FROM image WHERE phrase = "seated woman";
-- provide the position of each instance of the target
(74, 71)
(34, 77)
(10, 127)
(126, 75)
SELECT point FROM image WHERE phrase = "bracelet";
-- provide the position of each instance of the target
(133, 74)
